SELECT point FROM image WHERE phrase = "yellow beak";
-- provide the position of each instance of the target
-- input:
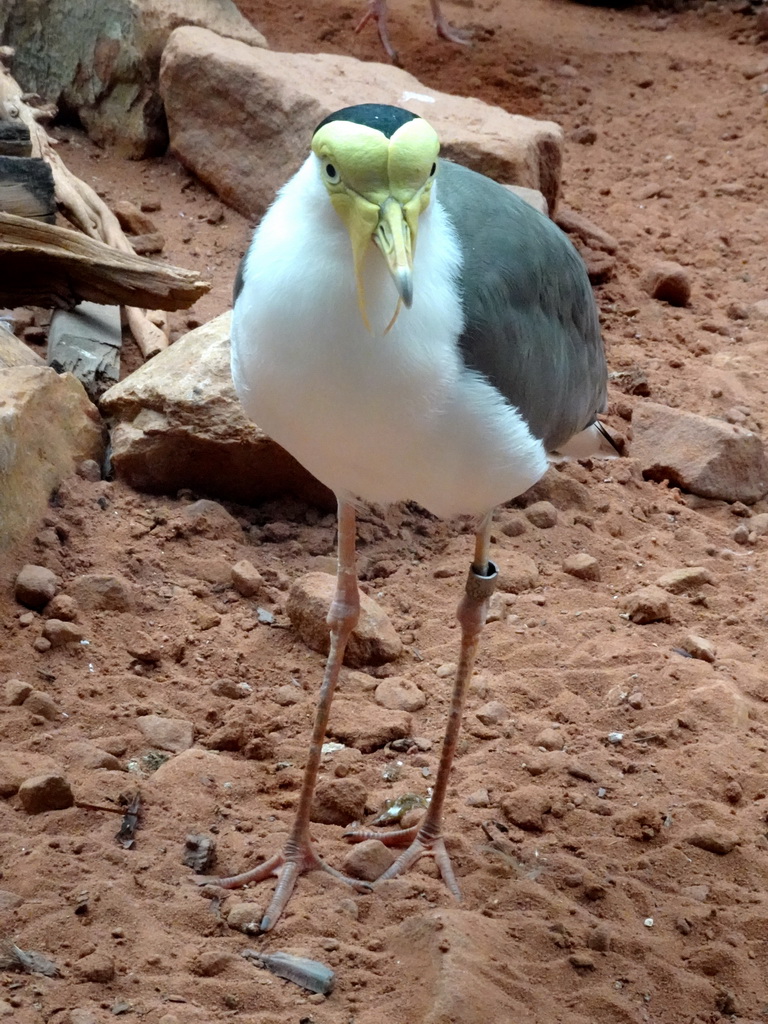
(394, 239)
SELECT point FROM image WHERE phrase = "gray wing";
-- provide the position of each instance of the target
(531, 323)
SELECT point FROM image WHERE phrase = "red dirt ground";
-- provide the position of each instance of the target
(601, 909)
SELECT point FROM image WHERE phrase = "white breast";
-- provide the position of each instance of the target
(380, 417)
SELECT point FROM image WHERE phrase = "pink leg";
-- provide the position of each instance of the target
(426, 838)
(299, 855)
(445, 29)
(377, 11)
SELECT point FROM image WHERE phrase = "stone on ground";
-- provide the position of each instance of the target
(101, 60)
(400, 694)
(366, 726)
(680, 581)
(40, 450)
(102, 592)
(35, 586)
(174, 734)
(582, 566)
(46, 793)
(373, 640)
(668, 282)
(518, 573)
(705, 456)
(699, 647)
(176, 422)
(368, 860)
(713, 838)
(339, 801)
(649, 604)
(282, 97)
(526, 807)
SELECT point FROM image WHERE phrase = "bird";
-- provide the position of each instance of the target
(378, 12)
(409, 330)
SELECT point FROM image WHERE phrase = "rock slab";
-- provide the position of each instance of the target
(699, 454)
(38, 450)
(241, 118)
(177, 422)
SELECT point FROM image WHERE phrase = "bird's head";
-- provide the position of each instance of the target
(378, 164)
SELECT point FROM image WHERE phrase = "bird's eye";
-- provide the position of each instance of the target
(433, 171)
(333, 174)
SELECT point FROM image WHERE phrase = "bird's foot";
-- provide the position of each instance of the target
(447, 31)
(420, 841)
(295, 860)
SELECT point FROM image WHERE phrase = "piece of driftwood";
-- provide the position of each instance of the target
(80, 204)
(26, 188)
(15, 139)
(45, 265)
(86, 342)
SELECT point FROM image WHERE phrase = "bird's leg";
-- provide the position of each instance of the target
(445, 29)
(298, 854)
(377, 11)
(427, 835)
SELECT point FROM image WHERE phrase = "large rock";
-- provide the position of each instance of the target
(101, 58)
(699, 454)
(241, 118)
(47, 426)
(178, 423)
(14, 352)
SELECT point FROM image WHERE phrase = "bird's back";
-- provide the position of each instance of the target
(531, 323)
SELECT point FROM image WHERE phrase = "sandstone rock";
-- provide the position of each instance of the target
(702, 455)
(668, 282)
(532, 196)
(209, 963)
(246, 917)
(373, 641)
(339, 801)
(40, 449)
(230, 688)
(62, 606)
(58, 633)
(16, 692)
(399, 694)
(15, 353)
(132, 219)
(89, 755)
(699, 647)
(211, 519)
(45, 793)
(550, 739)
(519, 573)
(101, 60)
(102, 592)
(174, 734)
(97, 967)
(582, 566)
(35, 586)
(649, 604)
(559, 489)
(178, 423)
(542, 514)
(144, 648)
(526, 807)
(246, 578)
(367, 726)
(711, 837)
(288, 94)
(368, 860)
(39, 703)
(680, 581)
(493, 713)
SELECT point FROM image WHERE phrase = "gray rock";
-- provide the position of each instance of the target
(373, 640)
(174, 734)
(702, 455)
(45, 793)
(39, 449)
(176, 422)
(288, 94)
(101, 59)
(35, 586)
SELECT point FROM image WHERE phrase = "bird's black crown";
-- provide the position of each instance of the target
(375, 115)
